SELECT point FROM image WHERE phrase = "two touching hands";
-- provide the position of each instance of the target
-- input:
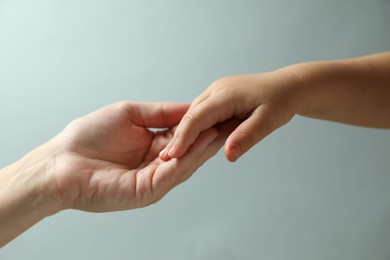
(111, 159)
(108, 160)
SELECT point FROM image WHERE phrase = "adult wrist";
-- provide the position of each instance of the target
(25, 198)
(35, 167)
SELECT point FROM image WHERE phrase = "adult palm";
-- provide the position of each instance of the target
(108, 160)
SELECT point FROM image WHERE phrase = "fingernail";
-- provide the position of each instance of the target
(171, 151)
(163, 152)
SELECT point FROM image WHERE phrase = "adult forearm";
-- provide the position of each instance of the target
(24, 197)
(354, 91)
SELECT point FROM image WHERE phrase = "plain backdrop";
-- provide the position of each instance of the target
(311, 190)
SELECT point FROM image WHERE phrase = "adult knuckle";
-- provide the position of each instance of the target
(163, 115)
(122, 105)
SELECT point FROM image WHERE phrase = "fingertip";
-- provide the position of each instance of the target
(176, 150)
(163, 155)
(172, 151)
(232, 153)
(163, 151)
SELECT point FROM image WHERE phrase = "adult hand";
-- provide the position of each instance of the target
(105, 161)
(108, 160)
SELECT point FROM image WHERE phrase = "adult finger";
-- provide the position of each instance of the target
(171, 173)
(158, 115)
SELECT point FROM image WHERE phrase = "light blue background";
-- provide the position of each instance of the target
(312, 190)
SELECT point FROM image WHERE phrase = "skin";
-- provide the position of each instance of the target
(105, 161)
(109, 160)
(354, 91)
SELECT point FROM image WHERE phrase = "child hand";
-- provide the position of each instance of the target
(263, 102)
